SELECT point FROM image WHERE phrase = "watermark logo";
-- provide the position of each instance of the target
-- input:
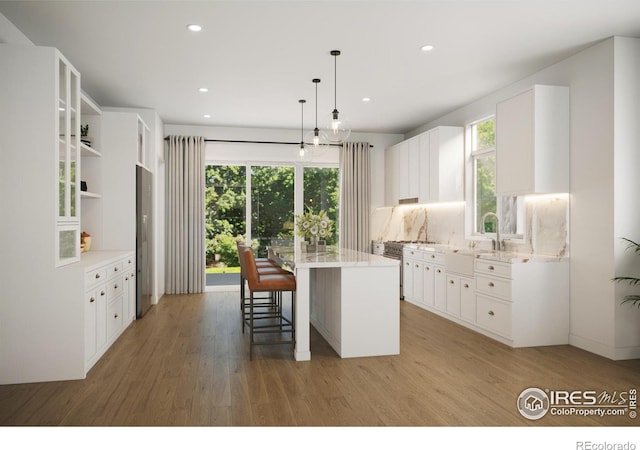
(535, 403)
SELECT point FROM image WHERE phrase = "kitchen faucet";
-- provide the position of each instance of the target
(497, 244)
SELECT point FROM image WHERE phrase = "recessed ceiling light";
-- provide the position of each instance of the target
(427, 48)
(203, 89)
(366, 99)
(207, 116)
(194, 27)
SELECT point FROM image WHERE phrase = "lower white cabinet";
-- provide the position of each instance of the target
(109, 305)
(523, 303)
(460, 297)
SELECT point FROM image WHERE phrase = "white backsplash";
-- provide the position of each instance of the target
(546, 225)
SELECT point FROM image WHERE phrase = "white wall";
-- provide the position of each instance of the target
(9, 34)
(604, 159)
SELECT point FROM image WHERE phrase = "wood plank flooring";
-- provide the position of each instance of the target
(186, 363)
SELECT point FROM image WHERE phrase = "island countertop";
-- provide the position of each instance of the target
(332, 257)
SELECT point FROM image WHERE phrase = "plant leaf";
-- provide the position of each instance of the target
(632, 245)
(635, 299)
(631, 280)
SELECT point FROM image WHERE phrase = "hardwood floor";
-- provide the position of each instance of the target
(186, 363)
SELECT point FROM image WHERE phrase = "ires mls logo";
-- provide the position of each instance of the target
(535, 403)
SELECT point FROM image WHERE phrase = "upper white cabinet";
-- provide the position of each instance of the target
(532, 142)
(391, 182)
(446, 165)
(427, 168)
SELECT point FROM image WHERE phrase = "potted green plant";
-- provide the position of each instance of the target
(633, 281)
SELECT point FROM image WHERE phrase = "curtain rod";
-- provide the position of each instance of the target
(233, 141)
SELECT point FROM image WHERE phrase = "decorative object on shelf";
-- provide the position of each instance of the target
(339, 129)
(85, 242)
(83, 186)
(634, 299)
(84, 135)
(317, 136)
(316, 228)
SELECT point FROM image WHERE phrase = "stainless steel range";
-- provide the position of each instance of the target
(394, 250)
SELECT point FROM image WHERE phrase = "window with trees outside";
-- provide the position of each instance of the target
(271, 210)
(483, 160)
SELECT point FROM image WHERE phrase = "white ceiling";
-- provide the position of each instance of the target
(258, 57)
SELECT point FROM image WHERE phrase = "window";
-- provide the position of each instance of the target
(483, 163)
(321, 194)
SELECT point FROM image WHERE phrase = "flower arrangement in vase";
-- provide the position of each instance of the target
(316, 228)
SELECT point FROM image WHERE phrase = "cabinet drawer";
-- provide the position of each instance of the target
(499, 287)
(93, 277)
(114, 317)
(494, 268)
(494, 315)
(433, 257)
(115, 288)
(411, 253)
(115, 269)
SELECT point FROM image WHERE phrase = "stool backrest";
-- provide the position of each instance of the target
(241, 248)
(251, 271)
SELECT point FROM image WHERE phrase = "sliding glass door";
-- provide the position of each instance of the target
(256, 202)
(225, 217)
(272, 206)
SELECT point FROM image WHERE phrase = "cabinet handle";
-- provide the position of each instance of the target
(407, 263)
(97, 275)
(417, 265)
(491, 268)
(466, 285)
(491, 313)
(433, 256)
(115, 286)
(412, 253)
(91, 300)
(132, 275)
(427, 268)
(115, 269)
(126, 278)
(450, 281)
(438, 270)
(101, 292)
(491, 284)
(116, 316)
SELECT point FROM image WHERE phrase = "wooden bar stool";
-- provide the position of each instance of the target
(274, 322)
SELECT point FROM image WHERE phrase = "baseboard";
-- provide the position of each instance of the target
(608, 351)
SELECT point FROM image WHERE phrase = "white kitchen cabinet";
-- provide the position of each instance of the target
(460, 296)
(428, 283)
(120, 141)
(107, 301)
(391, 182)
(440, 288)
(523, 304)
(446, 164)
(426, 168)
(532, 142)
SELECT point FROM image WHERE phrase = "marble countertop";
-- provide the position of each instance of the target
(491, 255)
(332, 257)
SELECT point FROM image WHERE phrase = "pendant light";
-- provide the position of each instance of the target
(338, 130)
(317, 136)
(304, 153)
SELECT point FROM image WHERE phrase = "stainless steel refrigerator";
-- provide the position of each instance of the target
(144, 240)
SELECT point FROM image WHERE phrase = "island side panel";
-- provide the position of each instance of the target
(370, 311)
(302, 351)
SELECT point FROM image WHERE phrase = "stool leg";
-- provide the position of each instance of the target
(250, 326)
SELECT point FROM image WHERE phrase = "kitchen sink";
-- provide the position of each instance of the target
(460, 262)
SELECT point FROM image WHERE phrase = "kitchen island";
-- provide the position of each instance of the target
(350, 297)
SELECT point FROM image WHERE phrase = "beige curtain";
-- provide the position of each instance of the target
(355, 196)
(185, 229)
